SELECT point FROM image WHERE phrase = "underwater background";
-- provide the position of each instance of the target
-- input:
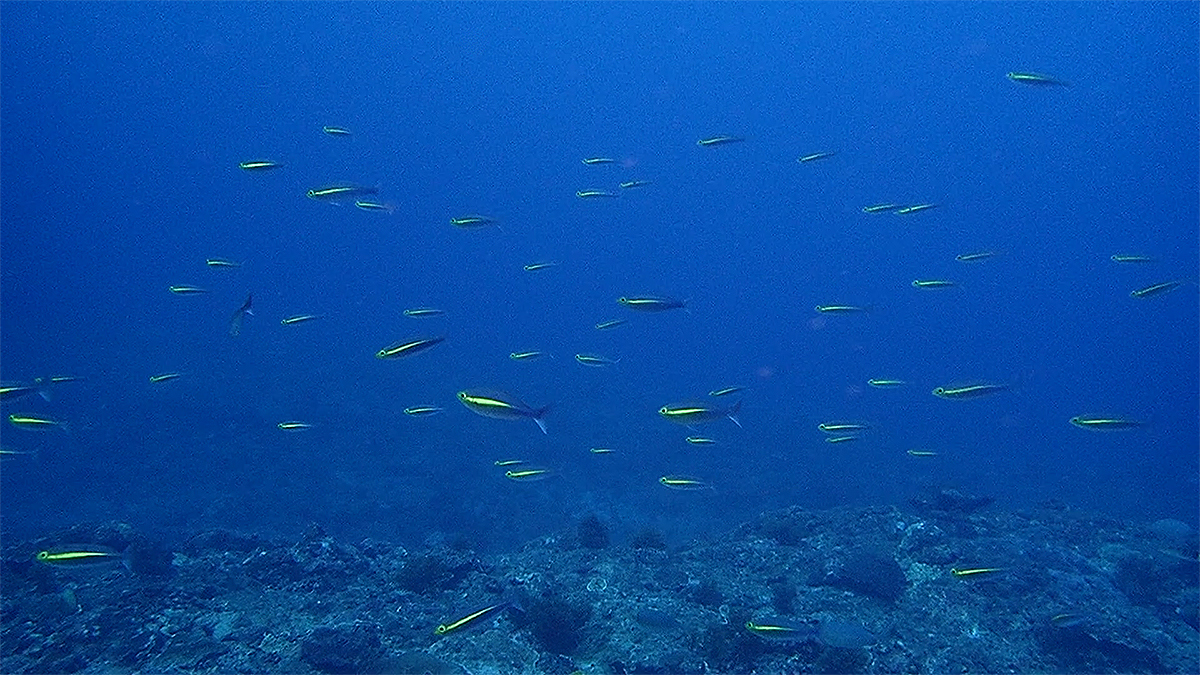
(124, 126)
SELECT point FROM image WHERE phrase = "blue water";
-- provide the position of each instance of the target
(123, 127)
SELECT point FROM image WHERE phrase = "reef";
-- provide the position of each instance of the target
(950, 585)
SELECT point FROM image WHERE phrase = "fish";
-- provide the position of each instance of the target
(882, 383)
(336, 131)
(260, 165)
(422, 410)
(10, 391)
(922, 453)
(701, 440)
(526, 356)
(1037, 79)
(815, 156)
(605, 325)
(368, 205)
(235, 322)
(601, 451)
(294, 426)
(915, 208)
(300, 318)
(79, 556)
(880, 208)
(468, 620)
(508, 462)
(933, 284)
(1131, 258)
(679, 482)
(473, 220)
(404, 348)
(340, 192)
(528, 475)
(533, 267)
(976, 257)
(843, 439)
(631, 184)
(1155, 290)
(726, 391)
(595, 360)
(596, 194)
(34, 422)
(598, 160)
(841, 309)
(843, 427)
(218, 263)
(696, 413)
(423, 312)
(502, 406)
(779, 630)
(164, 377)
(714, 141)
(953, 392)
(652, 304)
(187, 290)
(974, 571)
(1105, 423)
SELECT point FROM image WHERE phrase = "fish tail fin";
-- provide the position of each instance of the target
(539, 416)
(733, 413)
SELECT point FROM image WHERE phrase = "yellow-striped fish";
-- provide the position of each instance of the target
(631, 184)
(596, 194)
(1156, 289)
(590, 161)
(932, 284)
(405, 348)
(1132, 258)
(815, 156)
(33, 422)
(336, 131)
(915, 208)
(294, 426)
(528, 475)
(605, 325)
(259, 165)
(187, 290)
(595, 360)
(679, 482)
(881, 208)
(533, 267)
(165, 377)
(300, 318)
(468, 620)
(502, 406)
(218, 263)
(423, 312)
(1102, 423)
(1037, 79)
(714, 141)
(953, 392)
(422, 410)
(883, 383)
(473, 220)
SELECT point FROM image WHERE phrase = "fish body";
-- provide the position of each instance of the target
(422, 410)
(300, 318)
(1037, 79)
(595, 360)
(165, 377)
(631, 184)
(219, 263)
(187, 290)
(534, 267)
(1127, 258)
(882, 383)
(880, 208)
(33, 422)
(1105, 423)
(405, 348)
(841, 309)
(472, 221)
(978, 256)
(680, 482)
(336, 131)
(235, 322)
(596, 194)
(714, 141)
(502, 406)
(260, 165)
(649, 303)
(294, 426)
(605, 325)
(591, 161)
(968, 391)
(423, 312)
(699, 412)
(815, 156)
(932, 284)
(341, 192)
(1156, 289)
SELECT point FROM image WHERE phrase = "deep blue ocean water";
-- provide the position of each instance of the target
(123, 126)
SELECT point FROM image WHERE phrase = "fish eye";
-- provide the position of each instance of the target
(939, 390)
(42, 555)
(441, 629)
(662, 410)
